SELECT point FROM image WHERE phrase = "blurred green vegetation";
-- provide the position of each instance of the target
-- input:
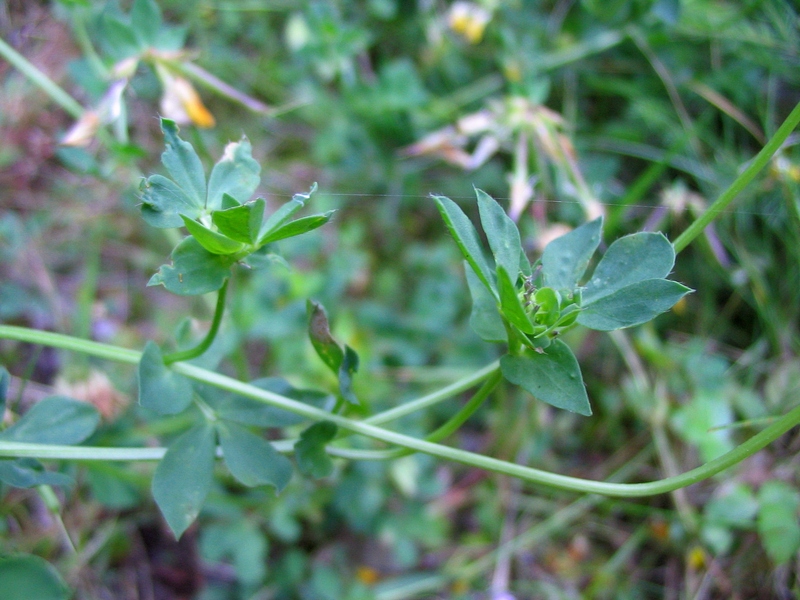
(644, 110)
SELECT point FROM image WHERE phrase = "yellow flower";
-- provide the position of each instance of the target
(469, 20)
(181, 102)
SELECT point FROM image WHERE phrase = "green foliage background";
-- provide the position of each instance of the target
(663, 101)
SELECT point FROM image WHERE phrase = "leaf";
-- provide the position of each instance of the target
(346, 371)
(29, 472)
(161, 389)
(29, 577)
(251, 459)
(502, 234)
(194, 270)
(553, 377)
(296, 227)
(510, 304)
(54, 420)
(485, 319)
(183, 164)
(565, 259)
(777, 520)
(319, 332)
(183, 477)
(146, 21)
(215, 243)
(629, 260)
(118, 38)
(241, 223)
(235, 174)
(466, 238)
(312, 459)
(285, 212)
(632, 305)
(163, 203)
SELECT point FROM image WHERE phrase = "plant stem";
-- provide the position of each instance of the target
(47, 85)
(536, 476)
(449, 427)
(759, 162)
(191, 353)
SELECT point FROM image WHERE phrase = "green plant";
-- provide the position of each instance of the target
(526, 306)
(602, 105)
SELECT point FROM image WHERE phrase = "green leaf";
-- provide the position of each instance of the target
(285, 212)
(502, 234)
(312, 459)
(183, 477)
(183, 164)
(296, 227)
(510, 304)
(146, 21)
(29, 472)
(632, 305)
(28, 577)
(565, 259)
(466, 238)
(485, 319)
(161, 389)
(347, 369)
(553, 376)
(235, 174)
(251, 459)
(163, 203)
(194, 270)
(118, 38)
(777, 520)
(319, 332)
(241, 223)
(215, 243)
(54, 420)
(629, 260)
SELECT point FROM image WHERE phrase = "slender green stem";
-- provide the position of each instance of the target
(449, 427)
(759, 162)
(536, 476)
(191, 353)
(435, 397)
(47, 85)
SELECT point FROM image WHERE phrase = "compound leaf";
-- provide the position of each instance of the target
(183, 477)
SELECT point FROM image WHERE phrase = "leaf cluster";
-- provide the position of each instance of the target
(529, 306)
